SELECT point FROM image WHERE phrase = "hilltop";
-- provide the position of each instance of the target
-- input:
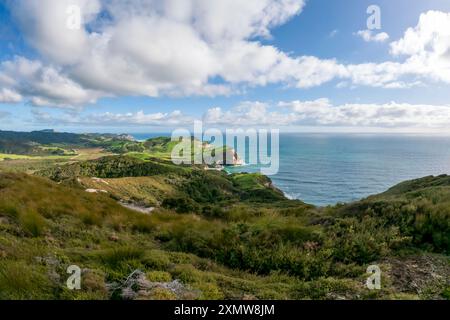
(49, 142)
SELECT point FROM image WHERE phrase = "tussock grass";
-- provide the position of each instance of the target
(228, 248)
(115, 257)
(21, 281)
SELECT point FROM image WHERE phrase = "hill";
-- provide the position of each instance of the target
(221, 244)
(141, 227)
(49, 142)
(420, 209)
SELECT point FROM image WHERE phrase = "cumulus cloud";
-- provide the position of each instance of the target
(322, 112)
(370, 36)
(247, 114)
(315, 113)
(173, 118)
(9, 96)
(193, 47)
(150, 48)
(140, 118)
(427, 46)
(43, 85)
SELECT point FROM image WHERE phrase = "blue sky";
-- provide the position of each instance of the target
(35, 59)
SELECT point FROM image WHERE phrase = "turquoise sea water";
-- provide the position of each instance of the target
(324, 169)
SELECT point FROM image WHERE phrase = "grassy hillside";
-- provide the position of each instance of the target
(209, 235)
(420, 209)
(232, 249)
(47, 142)
(181, 188)
(112, 167)
(45, 227)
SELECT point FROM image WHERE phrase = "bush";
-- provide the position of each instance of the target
(446, 293)
(363, 241)
(32, 223)
(159, 276)
(142, 223)
(115, 257)
(212, 187)
(180, 205)
(157, 260)
(21, 281)
(162, 294)
(213, 212)
(209, 291)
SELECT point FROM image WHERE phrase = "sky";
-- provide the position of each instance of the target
(295, 65)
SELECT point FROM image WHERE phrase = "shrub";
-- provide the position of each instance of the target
(159, 276)
(143, 223)
(212, 187)
(213, 212)
(162, 294)
(21, 281)
(209, 291)
(157, 260)
(363, 241)
(32, 223)
(446, 293)
(115, 257)
(180, 205)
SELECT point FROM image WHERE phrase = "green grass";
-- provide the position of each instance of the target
(33, 163)
(147, 191)
(22, 281)
(64, 226)
(5, 156)
(240, 238)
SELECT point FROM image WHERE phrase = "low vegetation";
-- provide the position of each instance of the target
(212, 235)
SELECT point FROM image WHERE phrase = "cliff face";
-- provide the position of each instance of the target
(230, 153)
(229, 156)
(125, 137)
(237, 161)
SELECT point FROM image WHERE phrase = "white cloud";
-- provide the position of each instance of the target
(9, 96)
(427, 46)
(432, 34)
(180, 48)
(173, 118)
(246, 114)
(150, 48)
(43, 85)
(370, 36)
(426, 53)
(322, 113)
(310, 106)
(140, 118)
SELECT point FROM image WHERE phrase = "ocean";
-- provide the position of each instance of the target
(324, 169)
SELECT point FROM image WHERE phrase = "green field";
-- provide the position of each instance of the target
(4, 157)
